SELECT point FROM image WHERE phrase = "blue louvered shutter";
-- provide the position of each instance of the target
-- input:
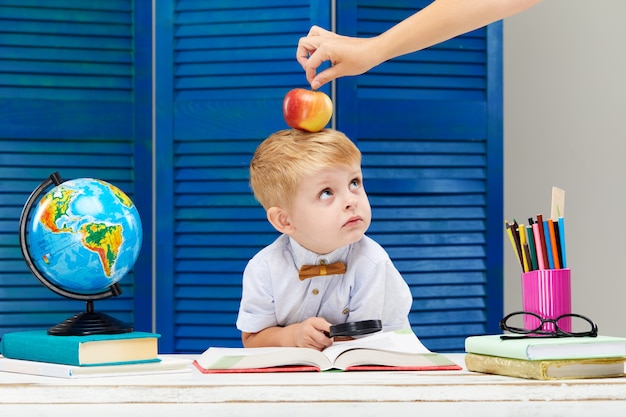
(68, 95)
(429, 127)
(223, 68)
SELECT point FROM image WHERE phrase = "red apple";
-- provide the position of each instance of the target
(307, 109)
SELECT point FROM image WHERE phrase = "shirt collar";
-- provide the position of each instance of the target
(303, 256)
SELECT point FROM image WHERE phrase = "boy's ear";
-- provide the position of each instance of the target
(279, 218)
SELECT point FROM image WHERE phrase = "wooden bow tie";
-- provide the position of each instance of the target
(310, 271)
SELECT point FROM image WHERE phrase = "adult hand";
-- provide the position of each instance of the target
(310, 333)
(347, 55)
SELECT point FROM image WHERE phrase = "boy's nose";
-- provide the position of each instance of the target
(350, 202)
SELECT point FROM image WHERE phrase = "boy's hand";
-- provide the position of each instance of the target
(311, 333)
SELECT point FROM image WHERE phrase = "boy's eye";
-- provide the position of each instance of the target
(355, 183)
(325, 194)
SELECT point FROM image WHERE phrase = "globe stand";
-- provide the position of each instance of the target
(90, 322)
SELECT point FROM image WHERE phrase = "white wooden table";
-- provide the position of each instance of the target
(379, 394)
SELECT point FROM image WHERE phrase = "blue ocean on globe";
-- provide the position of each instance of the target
(84, 236)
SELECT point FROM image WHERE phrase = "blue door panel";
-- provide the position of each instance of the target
(69, 91)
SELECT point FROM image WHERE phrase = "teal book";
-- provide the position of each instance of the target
(542, 348)
(91, 350)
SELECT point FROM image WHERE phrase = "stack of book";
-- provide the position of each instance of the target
(547, 358)
(38, 353)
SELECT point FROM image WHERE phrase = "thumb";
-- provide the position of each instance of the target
(325, 77)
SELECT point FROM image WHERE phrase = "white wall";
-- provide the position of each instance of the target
(565, 125)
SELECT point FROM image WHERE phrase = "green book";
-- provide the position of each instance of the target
(91, 350)
(535, 348)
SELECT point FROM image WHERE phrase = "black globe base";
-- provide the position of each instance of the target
(90, 322)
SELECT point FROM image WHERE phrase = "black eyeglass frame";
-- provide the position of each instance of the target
(538, 331)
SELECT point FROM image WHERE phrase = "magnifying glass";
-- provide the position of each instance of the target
(356, 328)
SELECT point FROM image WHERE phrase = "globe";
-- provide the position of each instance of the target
(85, 235)
(80, 238)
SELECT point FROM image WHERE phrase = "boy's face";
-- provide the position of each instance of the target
(330, 209)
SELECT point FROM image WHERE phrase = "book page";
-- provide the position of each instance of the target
(250, 358)
(398, 341)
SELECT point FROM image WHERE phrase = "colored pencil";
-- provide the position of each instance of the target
(561, 223)
(555, 244)
(530, 238)
(522, 240)
(538, 246)
(514, 242)
(542, 242)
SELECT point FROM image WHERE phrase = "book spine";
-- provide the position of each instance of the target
(54, 350)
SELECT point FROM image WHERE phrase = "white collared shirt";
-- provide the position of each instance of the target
(372, 288)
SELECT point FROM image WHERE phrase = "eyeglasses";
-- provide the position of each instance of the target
(567, 325)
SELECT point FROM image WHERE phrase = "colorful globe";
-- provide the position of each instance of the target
(84, 236)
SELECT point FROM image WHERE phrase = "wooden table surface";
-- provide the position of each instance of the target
(380, 394)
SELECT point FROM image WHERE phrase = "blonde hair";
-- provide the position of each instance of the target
(285, 157)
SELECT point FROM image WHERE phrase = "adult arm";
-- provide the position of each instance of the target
(438, 22)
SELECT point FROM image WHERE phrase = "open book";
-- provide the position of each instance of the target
(400, 350)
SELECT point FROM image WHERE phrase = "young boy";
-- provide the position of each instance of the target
(311, 187)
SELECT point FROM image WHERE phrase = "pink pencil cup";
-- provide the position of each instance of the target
(548, 293)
